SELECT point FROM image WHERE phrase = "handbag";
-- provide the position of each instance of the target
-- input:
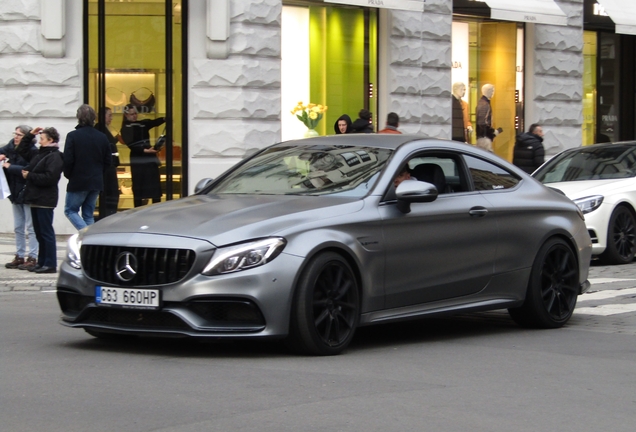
(4, 185)
(161, 141)
(143, 106)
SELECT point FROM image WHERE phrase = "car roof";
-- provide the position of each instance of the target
(388, 141)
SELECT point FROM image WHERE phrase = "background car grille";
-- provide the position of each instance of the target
(156, 266)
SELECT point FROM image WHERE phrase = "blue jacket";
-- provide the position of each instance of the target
(86, 155)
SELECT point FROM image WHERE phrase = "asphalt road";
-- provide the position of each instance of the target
(474, 372)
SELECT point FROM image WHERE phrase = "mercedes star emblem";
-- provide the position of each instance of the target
(126, 266)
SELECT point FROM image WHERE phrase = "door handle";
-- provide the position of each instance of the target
(478, 211)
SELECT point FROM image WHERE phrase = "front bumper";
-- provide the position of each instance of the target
(250, 303)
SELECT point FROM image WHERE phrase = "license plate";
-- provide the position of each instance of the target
(127, 297)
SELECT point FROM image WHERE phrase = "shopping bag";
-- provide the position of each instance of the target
(4, 185)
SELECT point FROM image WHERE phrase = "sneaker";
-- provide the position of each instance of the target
(35, 267)
(28, 264)
(45, 269)
(15, 263)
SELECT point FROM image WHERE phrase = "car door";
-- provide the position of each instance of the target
(441, 249)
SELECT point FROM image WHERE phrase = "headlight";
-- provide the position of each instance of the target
(589, 204)
(244, 256)
(73, 248)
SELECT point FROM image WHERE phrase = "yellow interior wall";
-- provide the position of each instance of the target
(497, 66)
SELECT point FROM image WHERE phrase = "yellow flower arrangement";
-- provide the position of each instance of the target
(310, 114)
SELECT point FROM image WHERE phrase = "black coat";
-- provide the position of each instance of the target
(459, 129)
(86, 155)
(361, 126)
(45, 171)
(109, 200)
(14, 172)
(484, 119)
(144, 167)
(529, 153)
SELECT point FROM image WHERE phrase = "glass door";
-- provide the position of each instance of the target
(134, 71)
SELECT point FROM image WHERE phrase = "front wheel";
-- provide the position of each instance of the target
(326, 308)
(621, 238)
(553, 287)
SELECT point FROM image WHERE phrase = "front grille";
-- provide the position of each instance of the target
(134, 318)
(155, 266)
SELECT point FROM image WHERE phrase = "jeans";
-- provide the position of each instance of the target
(85, 200)
(22, 223)
(43, 225)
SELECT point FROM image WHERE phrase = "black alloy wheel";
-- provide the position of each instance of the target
(326, 309)
(621, 237)
(553, 287)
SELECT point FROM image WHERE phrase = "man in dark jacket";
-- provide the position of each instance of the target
(363, 123)
(87, 155)
(13, 164)
(42, 176)
(529, 152)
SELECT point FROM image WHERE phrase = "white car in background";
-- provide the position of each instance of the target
(601, 180)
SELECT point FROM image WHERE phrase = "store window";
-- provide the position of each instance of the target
(135, 59)
(589, 87)
(488, 52)
(329, 57)
(608, 87)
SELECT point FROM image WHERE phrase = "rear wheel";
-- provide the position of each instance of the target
(326, 307)
(553, 287)
(621, 237)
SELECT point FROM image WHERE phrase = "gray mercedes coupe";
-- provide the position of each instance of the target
(308, 240)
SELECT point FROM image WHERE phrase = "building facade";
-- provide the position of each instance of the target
(225, 74)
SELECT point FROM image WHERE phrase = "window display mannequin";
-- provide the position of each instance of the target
(461, 122)
(485, 131)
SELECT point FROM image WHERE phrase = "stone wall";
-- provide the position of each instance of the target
(554, 78)
(35, 90)
(235, 102)
(419, 69)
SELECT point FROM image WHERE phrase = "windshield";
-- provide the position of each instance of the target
(590, 163)
(307, 170)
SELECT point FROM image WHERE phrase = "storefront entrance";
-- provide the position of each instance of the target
(135, 57)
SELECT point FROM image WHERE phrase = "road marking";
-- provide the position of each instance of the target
(606, 310)
(605, 294)
(598, 281)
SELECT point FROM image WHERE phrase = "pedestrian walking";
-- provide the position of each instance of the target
(87, 155)
(41, 193)
(363, 123)
(529, 153)
(109, 198)
(13, 164)
(392, 124)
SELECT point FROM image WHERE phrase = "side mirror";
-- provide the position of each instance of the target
(202, 184)
(410, 191)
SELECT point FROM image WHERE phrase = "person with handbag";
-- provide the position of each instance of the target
(144, 163)
(87, 155)
(42, 176)
(13, 164)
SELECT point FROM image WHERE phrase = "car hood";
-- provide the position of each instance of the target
(226, 219)
(586, 188)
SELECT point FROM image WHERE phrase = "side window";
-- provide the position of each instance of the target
(487, 176)
(442, 171)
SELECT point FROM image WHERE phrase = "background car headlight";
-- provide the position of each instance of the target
(244, 256)
(73, 248)
(589, 204)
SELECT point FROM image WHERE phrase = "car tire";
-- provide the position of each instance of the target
(553, 287)
(621, 237)
(326, 307)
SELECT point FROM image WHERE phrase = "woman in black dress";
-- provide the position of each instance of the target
(144, 163)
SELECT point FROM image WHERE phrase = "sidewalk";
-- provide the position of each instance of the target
(22, 280)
